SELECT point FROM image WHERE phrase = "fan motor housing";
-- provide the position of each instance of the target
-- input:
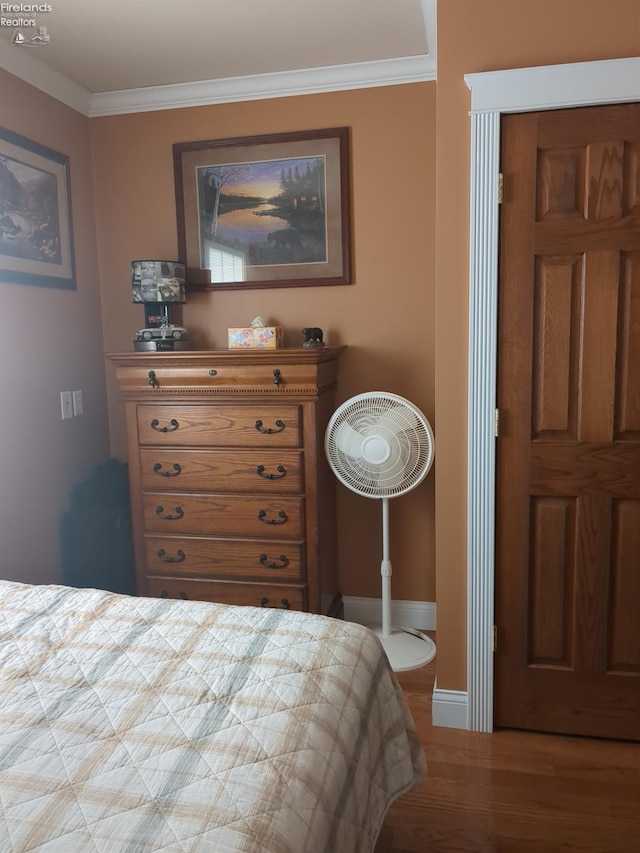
(376, 449)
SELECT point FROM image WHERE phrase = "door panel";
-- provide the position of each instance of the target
(551, 581)
(568, 458)
(628, 368)
(624, 644)
(555, 365)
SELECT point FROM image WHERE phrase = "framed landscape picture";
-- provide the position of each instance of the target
(36, 235)
(264, 211)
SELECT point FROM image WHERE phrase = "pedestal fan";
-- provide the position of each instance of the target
(381, 446)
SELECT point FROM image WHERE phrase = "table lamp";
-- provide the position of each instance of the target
(158, 285)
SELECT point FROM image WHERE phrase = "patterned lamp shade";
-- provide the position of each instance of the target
(157, 281)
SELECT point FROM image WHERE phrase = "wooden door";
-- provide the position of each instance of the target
(568, 455)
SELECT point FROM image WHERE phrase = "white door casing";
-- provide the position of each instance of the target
(492, 94)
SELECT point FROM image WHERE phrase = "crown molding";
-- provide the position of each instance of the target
(430, 17)
(310, 81)
(22, 62)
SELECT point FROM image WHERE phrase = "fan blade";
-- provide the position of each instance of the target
(396, 419)
(348, 441)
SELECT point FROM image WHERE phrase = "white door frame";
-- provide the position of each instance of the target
(494, 93)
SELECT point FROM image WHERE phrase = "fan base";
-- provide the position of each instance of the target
(407, 648)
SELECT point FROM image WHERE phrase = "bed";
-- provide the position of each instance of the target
(144, 724)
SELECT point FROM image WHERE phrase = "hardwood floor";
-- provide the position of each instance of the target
(514, 791)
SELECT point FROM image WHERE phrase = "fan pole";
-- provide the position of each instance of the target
(385, 571)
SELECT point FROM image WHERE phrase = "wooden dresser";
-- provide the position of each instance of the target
(232, 498)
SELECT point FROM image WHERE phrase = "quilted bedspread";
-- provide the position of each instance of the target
(140, 724)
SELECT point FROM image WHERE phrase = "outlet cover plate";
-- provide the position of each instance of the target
(66, 405)
(78, 403)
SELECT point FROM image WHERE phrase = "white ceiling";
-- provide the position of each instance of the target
(106, 56)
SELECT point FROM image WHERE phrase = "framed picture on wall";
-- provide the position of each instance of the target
(264, 211)
(36, 235)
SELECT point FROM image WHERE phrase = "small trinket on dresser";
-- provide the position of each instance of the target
(312, 337)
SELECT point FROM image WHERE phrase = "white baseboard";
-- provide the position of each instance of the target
(449, 708)
(420, 615)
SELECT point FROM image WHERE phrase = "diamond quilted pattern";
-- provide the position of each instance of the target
(155, 725)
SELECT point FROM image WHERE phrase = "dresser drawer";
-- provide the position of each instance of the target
(219, 426)
(224, 373)
(255, 471)
(251, 594)
(229, 559)
(223, 515)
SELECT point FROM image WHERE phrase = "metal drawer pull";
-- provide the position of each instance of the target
(162, 554)
(157, 469)
(279, 424)
(284, 604)
(153, 380)
(282, 472)
(281, 565)
(282, 515)
(178, 510)
(165, 594)
(213, 373)
(276, 377)
(173, 425)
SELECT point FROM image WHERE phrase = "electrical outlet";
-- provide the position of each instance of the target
(66, 405)
(78, 403)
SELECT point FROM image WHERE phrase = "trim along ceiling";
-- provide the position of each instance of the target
(122, 57)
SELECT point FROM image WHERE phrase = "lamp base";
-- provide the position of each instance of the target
(407, 648)
(166, 345)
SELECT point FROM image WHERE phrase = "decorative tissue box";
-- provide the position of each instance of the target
(256, 337)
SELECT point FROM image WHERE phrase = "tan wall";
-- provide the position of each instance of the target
(51, 341)
(475, 37)
(386, 317)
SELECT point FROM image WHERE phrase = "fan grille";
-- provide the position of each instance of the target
(379, 445)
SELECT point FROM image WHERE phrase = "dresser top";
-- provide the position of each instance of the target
(197, 358)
